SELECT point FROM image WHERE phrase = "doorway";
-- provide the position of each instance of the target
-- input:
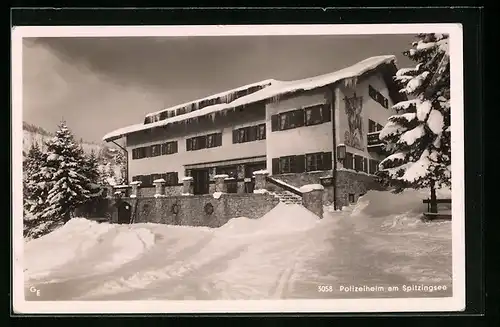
(124, 213)
(200, 180)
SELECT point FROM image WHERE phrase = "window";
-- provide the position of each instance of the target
(351, 197)
(314, 161)
(205, 141)
(348, 162)
(313, 115)
(317, 114)
(365, 165)
(249, 134)
(155, 150)
(378, 97)
(171, 178)
(302, 163)
(261, 132)
(373, 167)
(169, 148)
(287, 164)
(374, 126)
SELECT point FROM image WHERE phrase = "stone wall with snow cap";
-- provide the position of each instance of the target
(312, 198)
(199, 210)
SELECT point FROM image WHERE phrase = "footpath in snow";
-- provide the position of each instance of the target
(287, 253)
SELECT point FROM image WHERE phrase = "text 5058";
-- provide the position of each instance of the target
(325, 288)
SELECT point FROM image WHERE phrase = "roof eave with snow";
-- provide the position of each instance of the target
(275, 90)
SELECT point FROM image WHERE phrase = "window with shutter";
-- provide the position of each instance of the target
(189, 146)
(155, 150)
(284, 121)
(372, 126)
(276, 166)
(275, 121)
(210, 141)
(175, 148)
(134, 154)
(313, 115)
(365, 165)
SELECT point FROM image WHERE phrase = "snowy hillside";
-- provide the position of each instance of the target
(109, 157)
(33, 133)
(288, 253)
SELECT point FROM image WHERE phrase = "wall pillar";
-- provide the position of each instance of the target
(312, 198)
(159, 187)
(260, 180)
(187, 185)
(220, 183)
(135, 189)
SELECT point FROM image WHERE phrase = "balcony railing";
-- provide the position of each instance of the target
(373, 139)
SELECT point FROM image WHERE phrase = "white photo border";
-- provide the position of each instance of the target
(454, 303)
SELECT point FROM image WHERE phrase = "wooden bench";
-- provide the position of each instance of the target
(436, 216)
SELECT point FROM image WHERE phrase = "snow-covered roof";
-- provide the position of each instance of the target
(270, 89)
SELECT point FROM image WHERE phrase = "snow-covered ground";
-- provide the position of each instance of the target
(288, 253)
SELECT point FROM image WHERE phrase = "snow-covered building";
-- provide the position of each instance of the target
(300, 131)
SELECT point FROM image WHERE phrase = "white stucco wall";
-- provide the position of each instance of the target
(371, 110)
(175, 162)
(301, 140)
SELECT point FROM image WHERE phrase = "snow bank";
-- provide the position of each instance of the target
(384, 203)
(127, 245)
(62, 245)
(161, 180)
(135, 183)
(311, 187)
(221, 176)
(282, 219)
(187, 178)
(260, 191)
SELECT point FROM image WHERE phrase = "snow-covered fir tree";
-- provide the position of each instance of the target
(34, 187)
(64, 173)
(418, 136)
(90, 167)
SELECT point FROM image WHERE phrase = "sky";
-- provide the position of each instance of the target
(97, 85)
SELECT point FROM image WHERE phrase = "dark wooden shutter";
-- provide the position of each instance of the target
(348, 160)
(218, 139)
(327, 160)
(188, 145)
(134, 154)
(276, 166)
(236, 134)
(326, 113)
(300, 163)
(176, 178)
(175, 149)
(252, 133)
(298, 118)
(275, 121)
(365, 165)
(358, 163)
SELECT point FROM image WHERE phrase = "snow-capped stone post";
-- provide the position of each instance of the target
(312, 198)
(260, 179)
(159, 187)
(135, 189)
(109, 191)
(187, 185)
(220, 183)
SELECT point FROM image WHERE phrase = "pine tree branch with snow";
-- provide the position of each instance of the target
(418, 136)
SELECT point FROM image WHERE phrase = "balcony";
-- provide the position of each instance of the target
(374, 144)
